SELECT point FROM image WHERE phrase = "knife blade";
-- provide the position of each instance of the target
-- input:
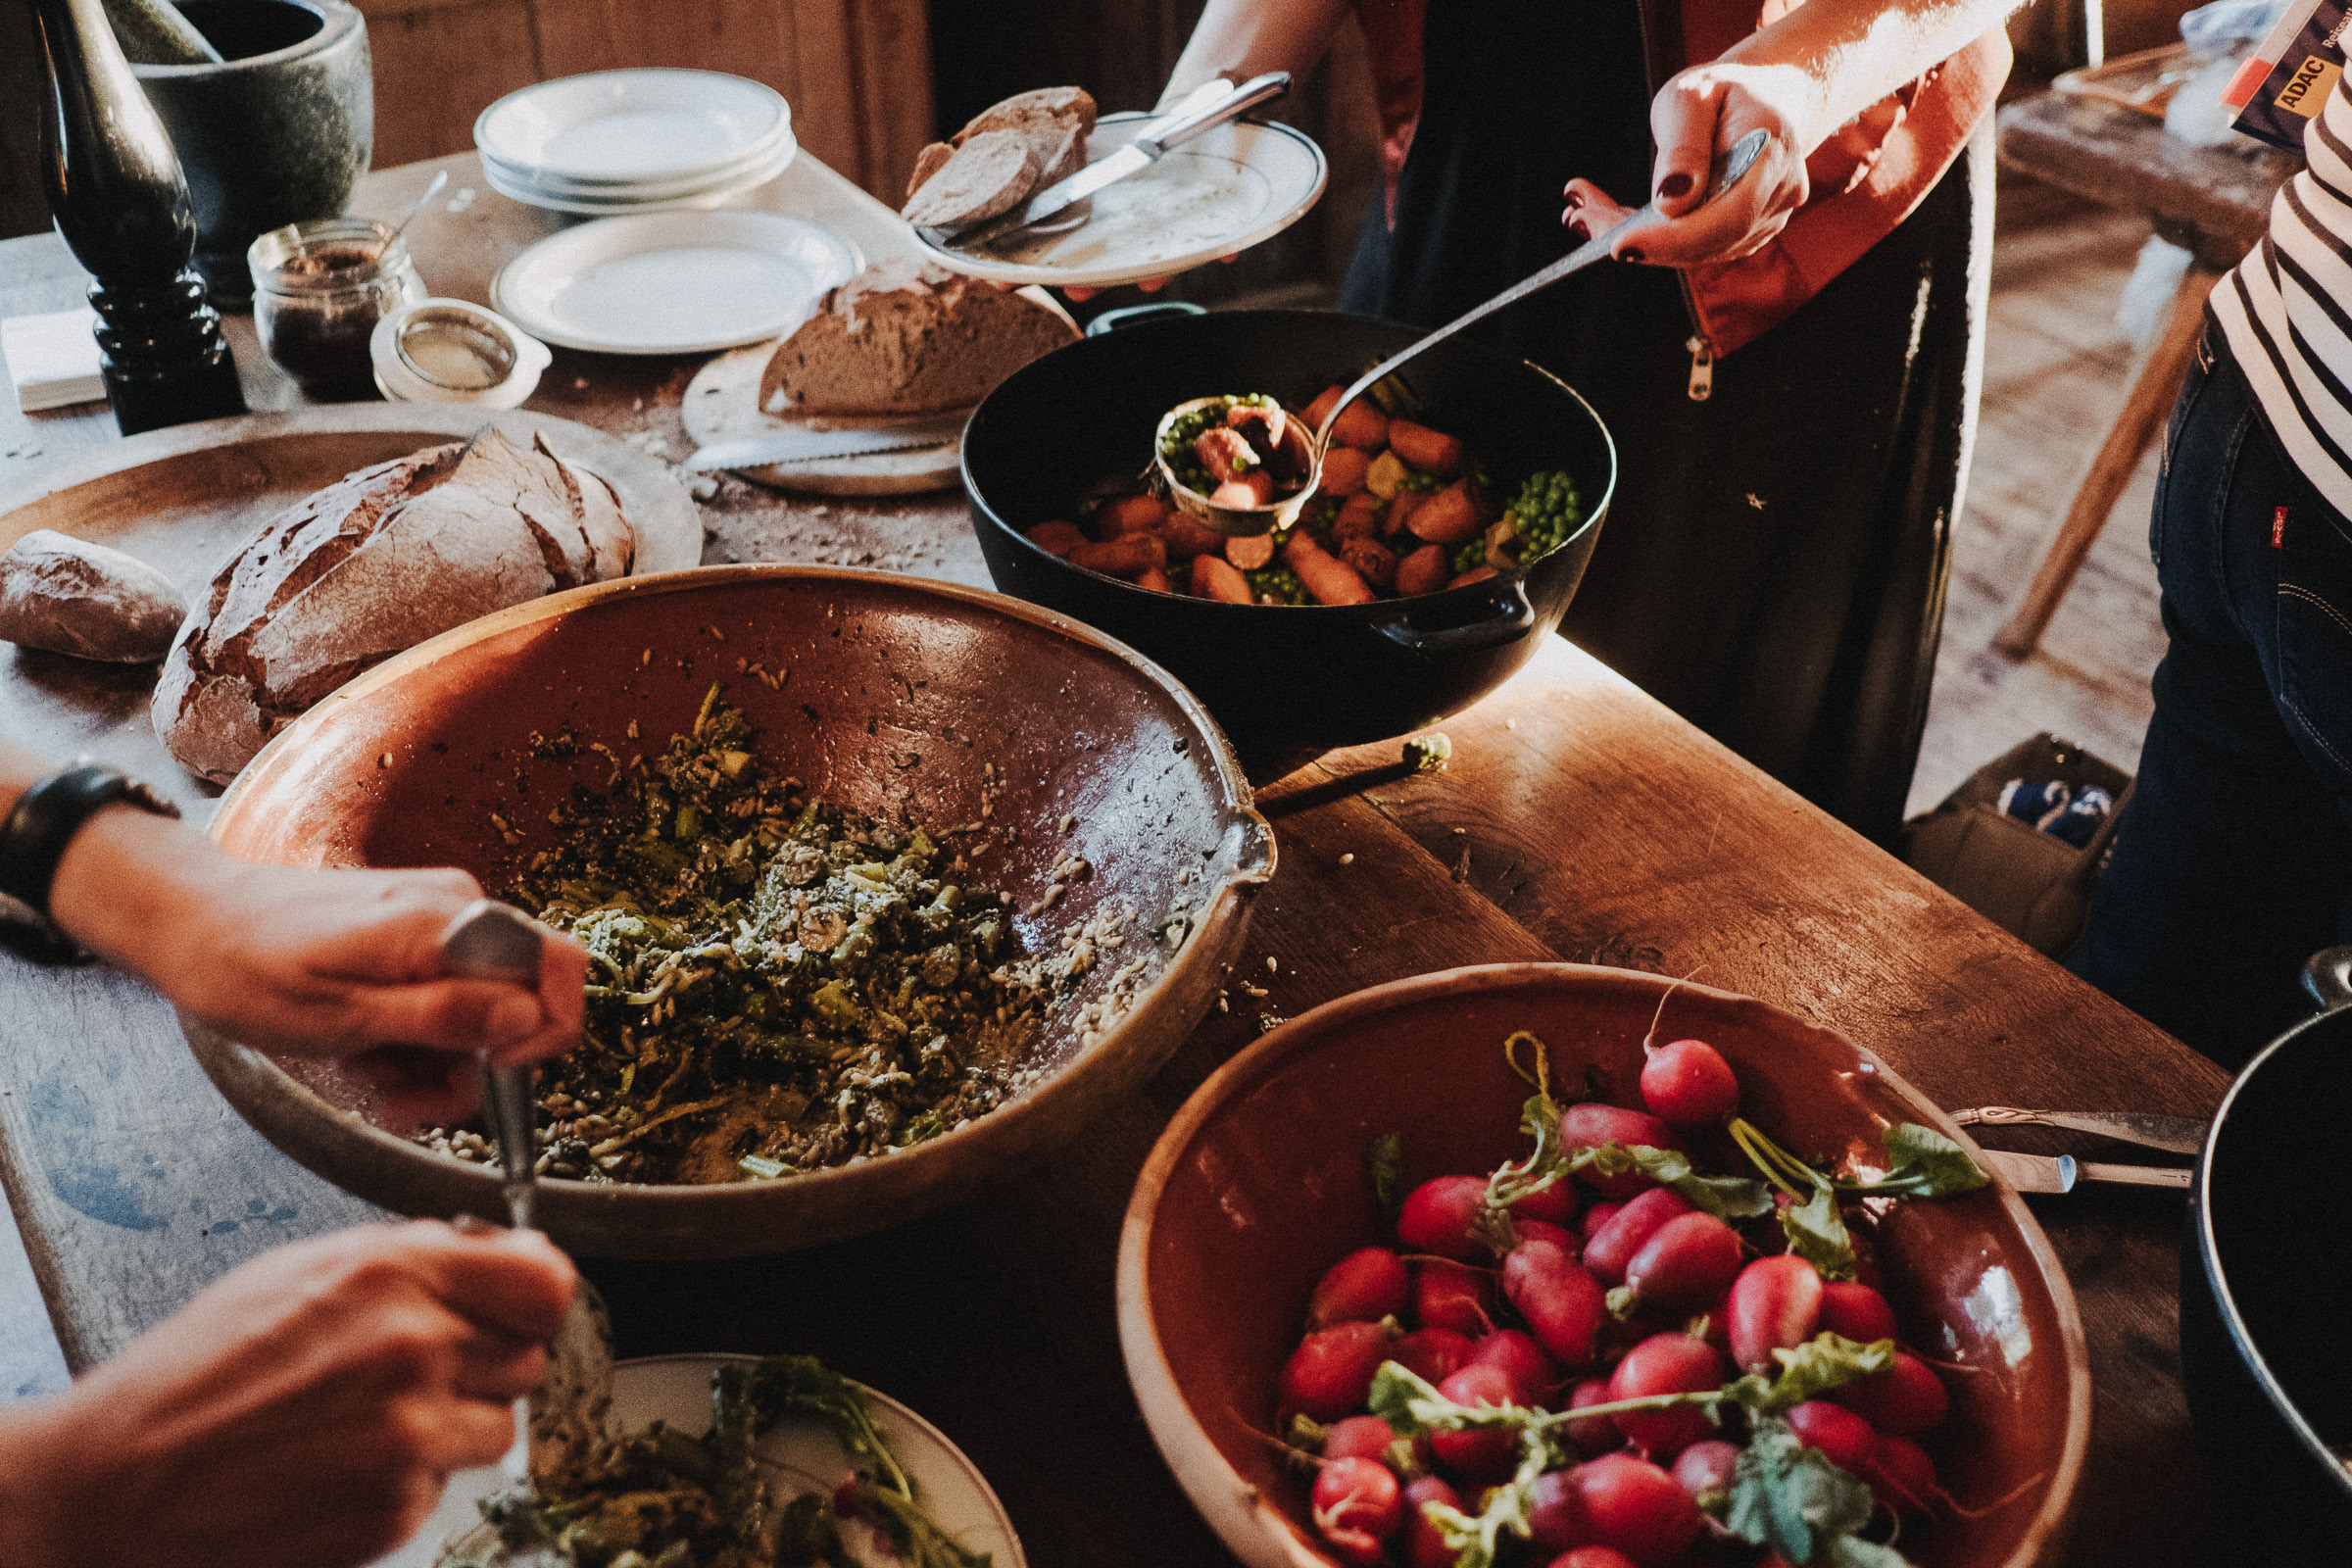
(2058, 1173)
(1196, 115)
(2179, 1135)
(806, 446)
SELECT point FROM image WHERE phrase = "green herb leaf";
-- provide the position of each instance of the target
(1727, 1198)
(1810, 1370)
(776, 1386)
(1817, 1233)
(1388, 1174)
(1790, 1499)
(910, 1531)
(1924, 1163)
(1852, 1552)
(1478, 1541)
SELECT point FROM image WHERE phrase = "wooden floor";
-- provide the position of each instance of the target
(2056, 368)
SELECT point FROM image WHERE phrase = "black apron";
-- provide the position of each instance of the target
(1773, 567)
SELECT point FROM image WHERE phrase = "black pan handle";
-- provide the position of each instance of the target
(2327, 978)
(1506, 617)
(1130, 314)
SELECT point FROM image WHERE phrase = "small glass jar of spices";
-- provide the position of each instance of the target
(318, 289)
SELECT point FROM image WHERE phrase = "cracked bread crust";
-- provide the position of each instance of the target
(906, 339)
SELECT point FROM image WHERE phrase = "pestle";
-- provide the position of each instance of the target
(154, 32)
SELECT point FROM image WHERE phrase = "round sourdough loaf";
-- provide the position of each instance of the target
(69, 596)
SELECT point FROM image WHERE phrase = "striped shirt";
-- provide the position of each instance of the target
(2286, 309)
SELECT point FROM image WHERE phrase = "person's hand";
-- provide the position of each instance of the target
(314, 962)
(1699, 114)
(1149, 285)
(303, 1412)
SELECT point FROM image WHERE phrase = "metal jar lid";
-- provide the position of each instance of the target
(454, 351)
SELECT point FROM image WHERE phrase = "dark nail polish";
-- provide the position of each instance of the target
(1674, 186)
(1630, 254)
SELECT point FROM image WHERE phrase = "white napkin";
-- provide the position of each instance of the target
(53, 360)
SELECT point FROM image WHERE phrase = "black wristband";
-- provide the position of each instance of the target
(34, 838)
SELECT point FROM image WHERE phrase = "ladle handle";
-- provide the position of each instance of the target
(1730, 168)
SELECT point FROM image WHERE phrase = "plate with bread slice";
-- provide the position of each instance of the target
(1230, 189)
(904, 346)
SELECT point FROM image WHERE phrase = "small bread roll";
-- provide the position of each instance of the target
(68, 595)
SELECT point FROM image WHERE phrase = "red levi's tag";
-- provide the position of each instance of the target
(2279, 529)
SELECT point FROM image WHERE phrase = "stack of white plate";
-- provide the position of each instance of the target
(634, 141)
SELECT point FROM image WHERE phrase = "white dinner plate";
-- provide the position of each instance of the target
(713, 192)
(620, 127)
(775, 156)
(1233, 188)
(680, 282)
(802, 1453)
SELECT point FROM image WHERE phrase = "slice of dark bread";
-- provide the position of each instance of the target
(990, 174)
(903, 340)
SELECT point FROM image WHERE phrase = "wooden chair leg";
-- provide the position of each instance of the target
(2143, 414)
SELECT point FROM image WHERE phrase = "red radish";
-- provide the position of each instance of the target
(1666, 1363)
(1477, 1454)
(1689, 1083)
(1433, 1355)
(1593, 1558)
(1365, 1286)
(1447, 1296)
(1902, 1475)
(1531, 1367)
(1592, 1123)
(1844, 1436)
(1562, 1304)
(1330, 1374)
(1438, 1216)
(1608, 1249)
(1597, 1215)
(1556, 1205)
(1907, 1400)
(1775, 1304)
(1357, 1508)
(1705, 1467)
(1544, 1230)
(1688, 1261)
(1556, 1514)
(1637, 1508)
(1358, 1436)
(1420, 1543)
(1855, 1312)
(1594, 1435)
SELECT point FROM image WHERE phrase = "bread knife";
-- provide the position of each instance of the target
(2178, 1135)
(807, 446)
(1196, 115)
(2058, 1173)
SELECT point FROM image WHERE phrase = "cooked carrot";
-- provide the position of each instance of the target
(1424, 571)
(1214, 578)
(1155, 579)
(1224, 452)
(1359, 518)
(1252, 489)
(1373, 561)
(1057, 537)
(1344, 470)
(1124, 515)
(1312, 415)
(1429, 451)
(1187, 536)
(1250, 550)
(1123, 557)
(1447, 517)
(1361, 426)
(1327, 579)
(1474, 574)
(1401, 509)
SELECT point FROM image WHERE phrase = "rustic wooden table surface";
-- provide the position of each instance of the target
(1580, 821)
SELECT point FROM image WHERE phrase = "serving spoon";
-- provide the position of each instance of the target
(1729, 168)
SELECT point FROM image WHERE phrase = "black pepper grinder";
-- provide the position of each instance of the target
(122, 202)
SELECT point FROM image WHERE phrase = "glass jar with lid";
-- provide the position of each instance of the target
(318, 289)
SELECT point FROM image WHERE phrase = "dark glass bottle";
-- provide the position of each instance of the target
(121, 204)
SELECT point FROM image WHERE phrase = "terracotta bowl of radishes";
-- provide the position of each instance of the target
(1572, 1267)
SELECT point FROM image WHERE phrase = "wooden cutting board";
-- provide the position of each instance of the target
(184, 499)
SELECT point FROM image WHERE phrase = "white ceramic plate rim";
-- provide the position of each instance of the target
(1271, 135)
(608, 238)
(710, 195)
(638, 189)
(928, 1455)
(571, 101)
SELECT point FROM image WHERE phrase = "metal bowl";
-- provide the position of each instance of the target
(891, 694)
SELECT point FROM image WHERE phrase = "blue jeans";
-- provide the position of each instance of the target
(2234, 861)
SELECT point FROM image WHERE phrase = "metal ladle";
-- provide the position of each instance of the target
(1730, 168)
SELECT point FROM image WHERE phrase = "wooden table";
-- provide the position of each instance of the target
(1580, 821)
(2214, 202)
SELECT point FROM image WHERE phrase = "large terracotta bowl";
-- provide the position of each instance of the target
(894, 695)
(1261, 1183)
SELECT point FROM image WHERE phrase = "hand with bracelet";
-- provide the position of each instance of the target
(295, 960)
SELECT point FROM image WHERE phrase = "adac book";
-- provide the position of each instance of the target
(2286, 82)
